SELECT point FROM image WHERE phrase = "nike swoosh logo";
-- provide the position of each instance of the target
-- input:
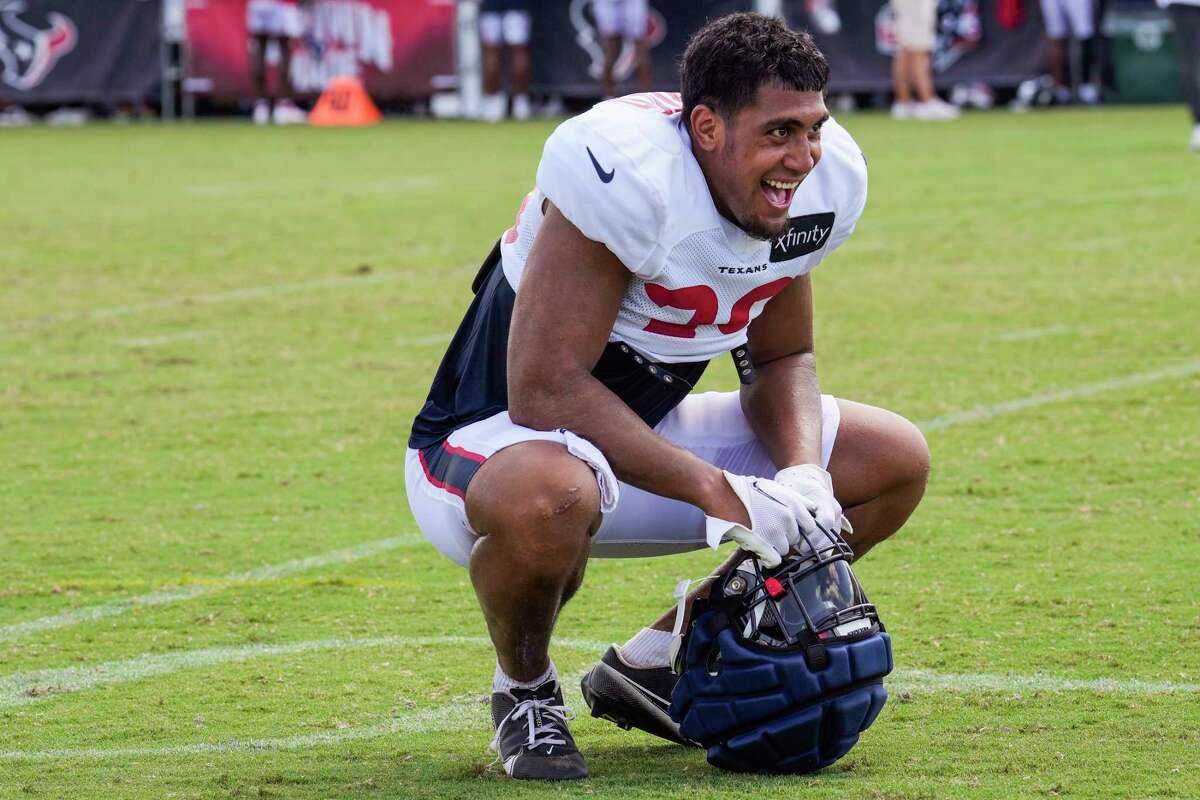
(605, 177)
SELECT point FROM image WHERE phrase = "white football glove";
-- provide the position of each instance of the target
(775, 512)
(815, 485)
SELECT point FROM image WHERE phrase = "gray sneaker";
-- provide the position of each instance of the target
(532, 739)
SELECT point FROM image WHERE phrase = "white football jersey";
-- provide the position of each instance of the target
(624, 174)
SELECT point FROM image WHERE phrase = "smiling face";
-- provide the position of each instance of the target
(754, 160)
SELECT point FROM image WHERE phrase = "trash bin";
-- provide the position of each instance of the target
(1142, 49)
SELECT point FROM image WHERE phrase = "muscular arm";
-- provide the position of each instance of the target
(566, 305)
(783, 405)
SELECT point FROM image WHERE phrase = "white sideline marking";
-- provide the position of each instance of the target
(1032, 333)
(232, 296)
(1147, 192)
(19, 688)
(383, 186)
(455, 716)
(470, 714)
(1092, 243)
(920, 679)
(433, 338)
(23, 688)
(269, 572)
(987, 412)
(170, 338)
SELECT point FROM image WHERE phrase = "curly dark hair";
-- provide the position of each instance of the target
(729, 58)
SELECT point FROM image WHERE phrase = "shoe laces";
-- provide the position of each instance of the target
(543, 719)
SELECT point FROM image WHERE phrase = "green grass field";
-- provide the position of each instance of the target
(213, 339)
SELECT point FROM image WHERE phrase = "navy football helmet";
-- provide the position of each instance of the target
(782, 669)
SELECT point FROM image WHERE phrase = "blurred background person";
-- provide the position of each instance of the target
(916, 34)
(824, 16)
(624, 21)
(505, 23)
(1185, 15)
(1071, 19)
(277, 22)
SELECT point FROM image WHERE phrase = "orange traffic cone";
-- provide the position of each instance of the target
(344, 102)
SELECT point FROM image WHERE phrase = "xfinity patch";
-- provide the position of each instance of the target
(808, 234)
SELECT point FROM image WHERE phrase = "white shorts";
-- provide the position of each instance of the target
(635, 522)
(504, 27)
(1074, 18)
(916, 24)
(625, 18)
(273, 18)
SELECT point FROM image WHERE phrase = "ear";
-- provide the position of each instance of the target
(708, 128)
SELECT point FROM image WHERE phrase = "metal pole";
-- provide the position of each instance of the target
(470, 59)
(166, 88)
(174, 25)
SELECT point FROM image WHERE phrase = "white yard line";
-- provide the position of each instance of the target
(925, 680)
(1091, 243)
(977, 414)
(465, 715)
(980, 413)
(1026, 334)
(232, 296)
(170, 338)
(404, 184)
(433, 338)
(472, 714)
(23, 688)
(270, 572)
(468, 715)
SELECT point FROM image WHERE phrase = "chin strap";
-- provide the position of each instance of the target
(680, 594)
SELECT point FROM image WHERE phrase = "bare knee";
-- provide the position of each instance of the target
(912, 459)
(537, 496)
(877, 452)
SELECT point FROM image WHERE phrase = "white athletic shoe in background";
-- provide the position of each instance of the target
(262, 113)
(1196, 139)
(286, 113)
(824, 16)
(14, 117)
(1088, 94)
(521, 109)
(67, 117)
(493, 107)
(553, 107)
(935, 110)
(902, 110)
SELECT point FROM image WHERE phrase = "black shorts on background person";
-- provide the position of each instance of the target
(1185, 16)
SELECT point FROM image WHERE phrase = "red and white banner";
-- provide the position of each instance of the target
(401, 49)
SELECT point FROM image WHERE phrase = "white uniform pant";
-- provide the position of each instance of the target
(625, 18)
(1069, 18)
(635, 522)
(916, 24)
(273, 18)
(510, 27)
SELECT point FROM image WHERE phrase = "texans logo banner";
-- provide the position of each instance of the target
(72, 51)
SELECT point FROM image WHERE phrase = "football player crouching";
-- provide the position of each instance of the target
(675, 228)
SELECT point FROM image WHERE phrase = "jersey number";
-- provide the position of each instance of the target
(702, 302)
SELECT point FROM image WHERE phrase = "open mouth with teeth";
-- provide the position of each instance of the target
(779, 193)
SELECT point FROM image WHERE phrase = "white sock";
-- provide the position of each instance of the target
(502, 683)
(648, 648)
